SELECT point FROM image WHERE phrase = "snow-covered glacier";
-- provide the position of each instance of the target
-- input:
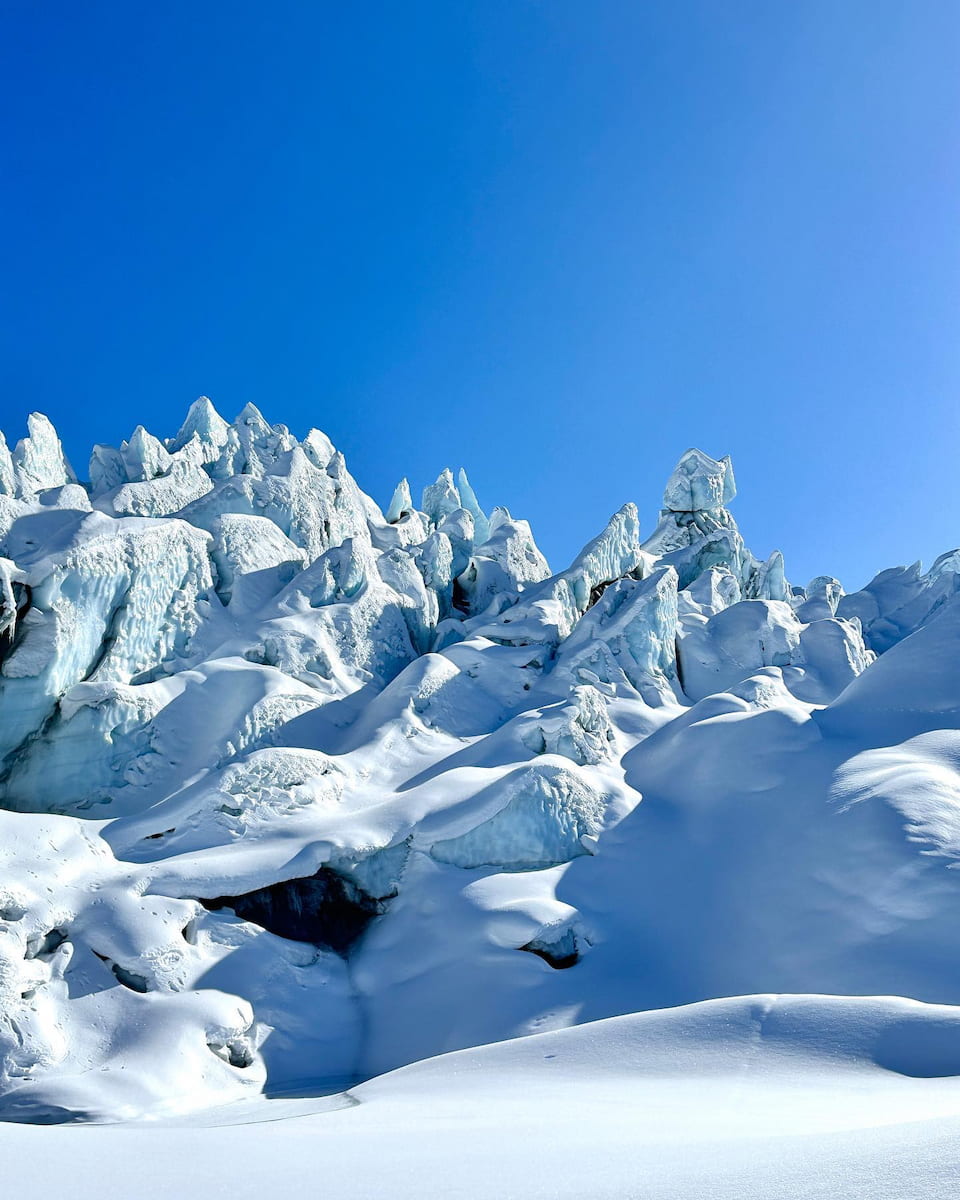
(295, 791)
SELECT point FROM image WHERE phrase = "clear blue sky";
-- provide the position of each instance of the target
(556, 242)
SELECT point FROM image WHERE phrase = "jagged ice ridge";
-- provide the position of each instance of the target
(297, 790)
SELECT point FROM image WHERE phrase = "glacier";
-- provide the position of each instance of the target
(296, 792)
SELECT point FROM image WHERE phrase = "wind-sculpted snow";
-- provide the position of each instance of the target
(296, 791)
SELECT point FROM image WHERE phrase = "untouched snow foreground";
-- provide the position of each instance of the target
(779, 1098)
(296, 793)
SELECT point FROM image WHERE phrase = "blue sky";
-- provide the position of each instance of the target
(554, 242)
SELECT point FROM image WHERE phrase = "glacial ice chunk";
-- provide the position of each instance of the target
(832, 655)
(547, 612)
(715, 589)
(823, 595)
(550, 816)
(507, 561)
(767, 580)
(420, 606)
(435, 559)
(581, 730)
(318, 448)
(458, 528)
(107, 469)
(628, 635)
(253, 559)
(121, 599)
(510, 543)
(699, 482)
(338, 620)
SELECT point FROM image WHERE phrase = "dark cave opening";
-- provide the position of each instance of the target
(326, 910)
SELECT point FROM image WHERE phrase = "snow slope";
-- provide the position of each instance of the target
(294, 792)
(785, 1098)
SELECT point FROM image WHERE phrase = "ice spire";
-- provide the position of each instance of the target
(468, 498)
(205, 422)
(693, 509)
(107, 470)
(38, 459)
(261, 444)
(767, 581)
(549, 610)
(441, 498)
(402, 502)
(145, 456)
(251, 417)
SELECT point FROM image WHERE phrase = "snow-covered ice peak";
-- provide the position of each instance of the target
(38, 459)
(548, 611)
(291, 787)
(250, 417)
(144, 456)
(205, 423)
(694, 518)
(699, 483)
(441, 497)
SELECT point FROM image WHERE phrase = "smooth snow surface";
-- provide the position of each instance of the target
(294, 793)
(774, 1097)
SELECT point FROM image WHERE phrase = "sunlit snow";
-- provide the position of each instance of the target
(295, 794)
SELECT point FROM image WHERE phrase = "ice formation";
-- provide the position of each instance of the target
(297, 791)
